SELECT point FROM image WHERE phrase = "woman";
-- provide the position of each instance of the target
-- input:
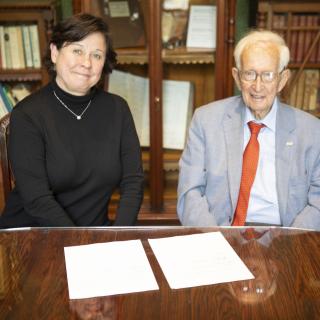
(71, 144)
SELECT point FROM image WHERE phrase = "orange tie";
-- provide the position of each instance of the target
(249, 168)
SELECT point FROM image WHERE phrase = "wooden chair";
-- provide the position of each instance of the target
(7, 176)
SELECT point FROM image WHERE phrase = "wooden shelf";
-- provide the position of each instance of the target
(174, 56)
(188, 56)
(132, 55)
(306, 66)
(20, 74)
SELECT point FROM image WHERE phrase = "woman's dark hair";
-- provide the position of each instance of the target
(75, 29)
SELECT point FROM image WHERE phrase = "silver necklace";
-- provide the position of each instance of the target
(78, 116)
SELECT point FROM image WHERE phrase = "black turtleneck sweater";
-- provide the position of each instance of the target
(67, 169)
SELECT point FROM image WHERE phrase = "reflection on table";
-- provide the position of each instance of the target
(285, 263)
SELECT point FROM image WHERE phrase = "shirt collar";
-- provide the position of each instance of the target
(269, 120)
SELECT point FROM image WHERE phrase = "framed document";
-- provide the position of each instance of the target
(202, 27)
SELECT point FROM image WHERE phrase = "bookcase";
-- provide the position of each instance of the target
(30, 13)
(299, 23)
(208, 70)
(41, 15)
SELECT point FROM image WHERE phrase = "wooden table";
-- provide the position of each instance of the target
(285, 262)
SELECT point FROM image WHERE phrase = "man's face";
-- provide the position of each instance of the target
(259, 95)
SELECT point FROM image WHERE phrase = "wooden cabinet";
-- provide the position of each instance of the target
(210, 72)
(42, 14)
(299, 23)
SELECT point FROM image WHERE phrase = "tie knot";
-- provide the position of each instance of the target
(255, 127)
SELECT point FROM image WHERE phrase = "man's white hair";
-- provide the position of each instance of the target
(263, 37)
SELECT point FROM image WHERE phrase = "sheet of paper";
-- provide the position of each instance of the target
(177, 111)
(103, 269)
(198, 259)
(202, 27)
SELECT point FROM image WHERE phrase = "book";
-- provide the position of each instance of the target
(301, 38)
(2, 49)
(314, 83)
(5, 99)
(300, 91)
(315, 22)
(125, 20)
(35, 46)
(293, 92)
(7, 47)
(7, 92)
(307, 88)
(22, 63)
(3, 109)
(178, 101)
(15, 47)
(202, 27)
(27, 46)
(293, 41)
(308, 35)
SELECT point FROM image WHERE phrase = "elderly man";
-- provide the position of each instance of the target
(252, 160)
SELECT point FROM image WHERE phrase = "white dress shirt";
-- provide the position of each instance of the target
(263, 202)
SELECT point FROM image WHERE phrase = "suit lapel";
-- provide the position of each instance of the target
(233, 132)
(285, 148)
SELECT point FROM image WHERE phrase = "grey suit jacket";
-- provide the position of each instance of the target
(210, 166)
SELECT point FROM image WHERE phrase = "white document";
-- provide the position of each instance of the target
(177, 106)
(177, 112)
(202, 27)
(135, 90)
(175, 4)
(103, 269)
(198, 259)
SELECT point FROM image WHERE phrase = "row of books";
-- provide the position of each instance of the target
(19, 47)
(303, 30)
(305, 94)
(10, 95)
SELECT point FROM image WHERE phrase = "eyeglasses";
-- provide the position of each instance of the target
(251, 75)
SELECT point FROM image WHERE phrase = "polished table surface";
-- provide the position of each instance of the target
(285, 263)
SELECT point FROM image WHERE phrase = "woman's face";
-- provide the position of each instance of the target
(79, 64)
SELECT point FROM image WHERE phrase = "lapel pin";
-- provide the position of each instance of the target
(289, 143)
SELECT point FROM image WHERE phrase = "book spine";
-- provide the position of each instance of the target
(307, 89)
(34, 37)
(3, 49)
(314, 90)
(14, 47)
(11, 102)
(27, 46)
(313, 57)
(22, 63)
(7, 103)
(3, 109)
(294, 38)
(301, 38)
(308, 34)
(300, 91)
(7, 47)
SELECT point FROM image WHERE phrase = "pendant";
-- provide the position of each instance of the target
(78, 117)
